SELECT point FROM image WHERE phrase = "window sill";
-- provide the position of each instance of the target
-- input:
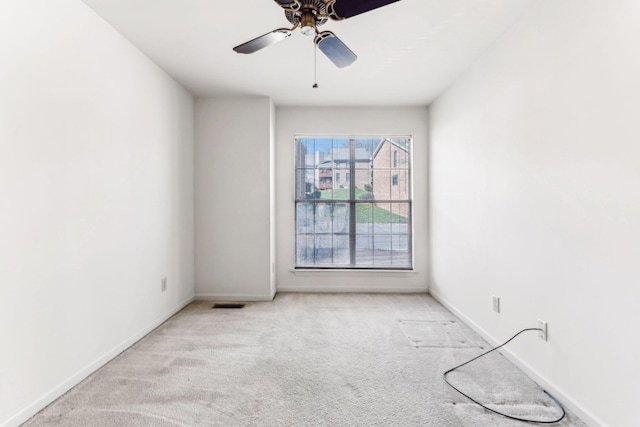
(323, 271)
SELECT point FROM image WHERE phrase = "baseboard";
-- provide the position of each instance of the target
(83, 373)
(585, 415)
(233, 297)
(354, 289)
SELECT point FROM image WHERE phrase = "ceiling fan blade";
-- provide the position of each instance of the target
(335, 50)
(263, 41)
(290, 5)
(343, 9)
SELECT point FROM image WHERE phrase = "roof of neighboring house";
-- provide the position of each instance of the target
(342, 154)
(385, 140)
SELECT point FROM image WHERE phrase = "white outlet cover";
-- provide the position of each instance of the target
(542, 333)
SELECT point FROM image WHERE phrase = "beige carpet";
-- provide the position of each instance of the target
(305, 360)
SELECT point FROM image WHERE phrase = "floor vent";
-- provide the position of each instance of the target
(228, 305)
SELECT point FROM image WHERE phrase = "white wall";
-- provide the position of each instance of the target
(234, 198)
(349, 121)
(96, 199)
(535, 197)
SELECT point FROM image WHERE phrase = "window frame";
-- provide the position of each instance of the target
(409, 201)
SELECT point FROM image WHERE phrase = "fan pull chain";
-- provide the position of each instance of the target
(315, 65)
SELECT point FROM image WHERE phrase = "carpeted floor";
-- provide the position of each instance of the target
(304, 360)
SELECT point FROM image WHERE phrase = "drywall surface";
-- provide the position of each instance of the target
(292, 121)
(96, 199)
(535, 198)
(233, 198)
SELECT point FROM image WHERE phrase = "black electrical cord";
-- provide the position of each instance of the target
(493, 410)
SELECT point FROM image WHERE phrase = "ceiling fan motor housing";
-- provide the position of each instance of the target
(308, 13)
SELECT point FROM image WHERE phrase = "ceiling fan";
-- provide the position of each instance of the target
(308, 15)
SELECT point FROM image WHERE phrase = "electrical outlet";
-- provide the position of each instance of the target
(542, 333)
(163, 284)
(496, 304)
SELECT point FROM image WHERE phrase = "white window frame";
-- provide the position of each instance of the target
(393, 162)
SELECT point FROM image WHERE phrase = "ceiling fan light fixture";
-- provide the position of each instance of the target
(308, 23)
(308, 30)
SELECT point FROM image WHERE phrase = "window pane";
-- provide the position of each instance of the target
(323, 249)
(304, 218)
(403, 159)
(305, 249)
(399, 243)
(400, 187)
(341, 254)
(364, 150)
(323, 220)
(400, 219)
(304, 153)
(363, 184)
(382, 249)
(340, 216)
(364, 216)
(382, 184)
(383, 217)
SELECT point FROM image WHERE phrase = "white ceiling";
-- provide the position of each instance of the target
(408, 52)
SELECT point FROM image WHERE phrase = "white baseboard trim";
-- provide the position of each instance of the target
(354, 289)
(233, 297)
(579, 410)
(92, 367)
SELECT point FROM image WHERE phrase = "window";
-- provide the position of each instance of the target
(363, 222)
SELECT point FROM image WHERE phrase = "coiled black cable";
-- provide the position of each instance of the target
(493, 410)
